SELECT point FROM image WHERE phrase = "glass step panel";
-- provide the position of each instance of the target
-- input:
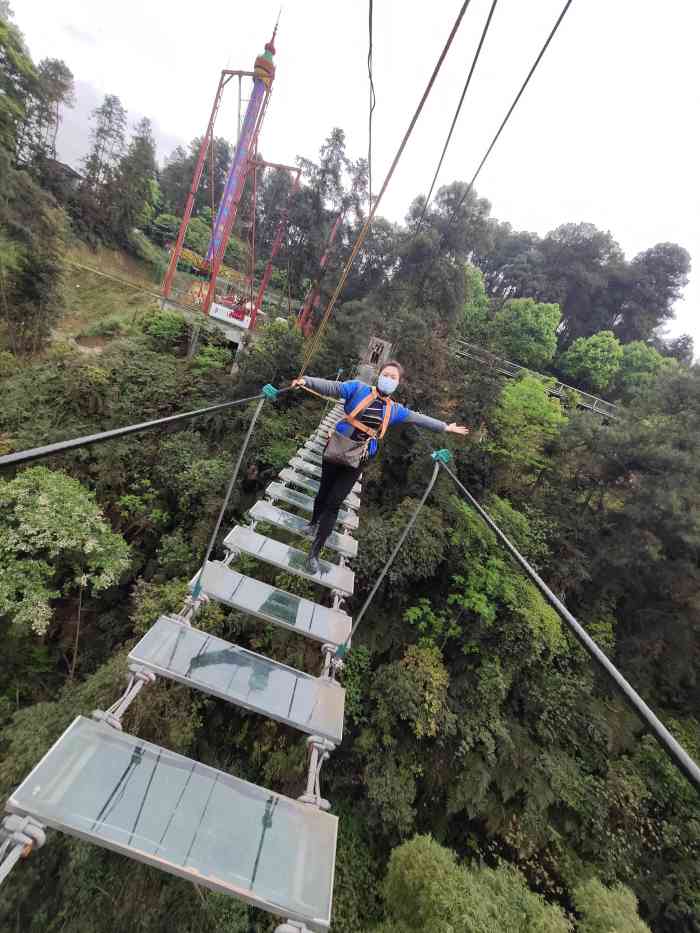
(304, 466)
(302, 501)
(315, 447)
(266, 512)
(288, 558)
(153, 805)
(275, 606)
(309, 455)
(305, 482)
(175, 650)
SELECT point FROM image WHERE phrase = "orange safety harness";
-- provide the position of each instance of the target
(365, 403)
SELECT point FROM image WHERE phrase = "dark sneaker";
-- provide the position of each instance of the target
(312, 564)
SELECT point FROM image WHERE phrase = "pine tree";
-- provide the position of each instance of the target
(133, 197)
(107, 141)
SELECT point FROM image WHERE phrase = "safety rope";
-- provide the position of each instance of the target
(456, 117)
(510, 111)
(373, 207)
(342, 650)
(197, 589)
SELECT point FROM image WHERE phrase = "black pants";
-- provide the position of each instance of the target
(336, 483)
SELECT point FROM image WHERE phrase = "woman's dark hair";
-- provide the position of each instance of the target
(395, 364)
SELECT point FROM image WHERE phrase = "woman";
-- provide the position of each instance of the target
(369, 413)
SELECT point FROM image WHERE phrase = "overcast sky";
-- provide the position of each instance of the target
(607, 131)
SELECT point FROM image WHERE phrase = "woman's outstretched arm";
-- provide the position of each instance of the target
(433, 424)
(324, 386)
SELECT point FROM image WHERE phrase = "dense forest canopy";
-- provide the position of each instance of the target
(488, 778)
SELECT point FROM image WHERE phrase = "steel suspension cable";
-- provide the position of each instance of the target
(373, 207)
(668, 743)
(372, 102)
(38, 453)
(456, 116)
(510, 110)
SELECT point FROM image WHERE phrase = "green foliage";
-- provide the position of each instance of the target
(593, 362)
(607, 910)
(167, 329)
(413, 690)
(9, 364)
(425, 889)
(525, 331)
(492, 584)
(355, 682)
(524, 424)
(639, 366)
(32, 240)
(18, 82)
(420, 554)
(476, 305)
(211, 358)
(53, 542)
(112, 325)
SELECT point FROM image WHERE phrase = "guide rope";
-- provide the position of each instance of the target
(456, 116)
(49, 450)
(197, 589)
(372, 104)
(373, 207)
(342, 650)
(510, 110)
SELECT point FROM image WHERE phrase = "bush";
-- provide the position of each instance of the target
(112, 325)
(8, 364)
(425, 889)
(210, 358)
(607, 910)
(167, 329)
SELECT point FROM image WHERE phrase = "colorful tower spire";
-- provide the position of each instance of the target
(264, 73)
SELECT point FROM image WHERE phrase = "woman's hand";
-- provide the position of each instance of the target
(455, 428)
(298, 382)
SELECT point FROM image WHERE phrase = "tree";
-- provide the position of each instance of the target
(107, 137)
(525, 421)
(583, 269)
(657, 279)
(32, 239)
(607, 910)
(135, 192)
(54, 542)
(37, 135)
(680, 348)
(19, 83)
(525, 331)
(425, 889)
(639, 366)
(592, 362)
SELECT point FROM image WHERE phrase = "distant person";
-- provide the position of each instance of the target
(369, 412)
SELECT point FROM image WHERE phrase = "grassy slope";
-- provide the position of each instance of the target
(93, 300)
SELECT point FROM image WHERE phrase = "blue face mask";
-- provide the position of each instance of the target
(387, 385)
